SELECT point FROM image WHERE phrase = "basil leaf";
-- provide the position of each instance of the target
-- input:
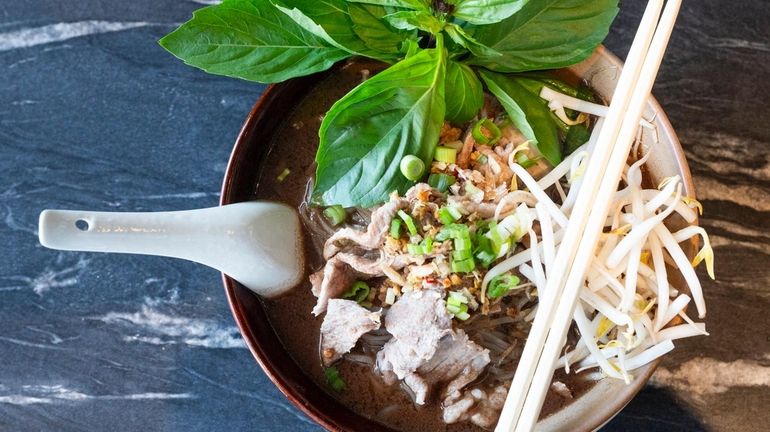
(462, 38)
(365, 135)
(331, 21)
(527, 111)
(464, 92)
(410, 20)
(252, 40)
(487, 11)
(546, 34)
(375, 33)
(423, 5)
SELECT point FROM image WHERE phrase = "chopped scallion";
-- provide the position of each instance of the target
(501, 285)
(336, 214)
(282, 176)
(333, 379)
(395, 228)
(427, 244)
(358, 292)
(412, 167)
(445, 154)
(485, 131)
(415, 249)
(446, 216)
(441, 182)
(408, 221)
(465, 266)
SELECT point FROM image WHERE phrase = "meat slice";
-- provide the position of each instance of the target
(375, 233)
(425, 352)
(344, 323)
(480, 407)
(417, 321)
(456, 362)
(331, 282)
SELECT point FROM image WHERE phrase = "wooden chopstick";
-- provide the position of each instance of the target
(598, 213)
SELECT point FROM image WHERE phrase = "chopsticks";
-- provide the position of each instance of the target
(557, 304)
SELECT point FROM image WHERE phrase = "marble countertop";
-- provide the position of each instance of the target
(95, 115)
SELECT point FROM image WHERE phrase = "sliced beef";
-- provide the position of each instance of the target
(480, 407)
(330, 282)
(425, 352)
(417, 321)
(456, 363)
(375, 233)
(344, 323)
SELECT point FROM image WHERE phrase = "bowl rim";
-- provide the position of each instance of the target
(286, 388)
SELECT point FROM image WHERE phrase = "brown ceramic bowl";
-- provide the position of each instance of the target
(587, 413)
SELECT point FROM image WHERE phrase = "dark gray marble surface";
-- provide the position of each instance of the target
(95, 115)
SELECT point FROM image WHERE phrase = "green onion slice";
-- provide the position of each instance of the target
(412, 167)
(408, 221)
(395, 228)
(501, 285)
(492, 135)
(333, 379)
(358, 292)
(445, 154)
(441, 182)
(336, 214)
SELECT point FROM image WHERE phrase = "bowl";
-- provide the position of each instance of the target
(250, 157)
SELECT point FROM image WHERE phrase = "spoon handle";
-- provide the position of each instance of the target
(256, 243)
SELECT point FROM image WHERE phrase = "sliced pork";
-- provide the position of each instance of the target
(345, 322)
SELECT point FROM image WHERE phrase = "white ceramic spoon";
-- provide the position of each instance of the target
(256, 243)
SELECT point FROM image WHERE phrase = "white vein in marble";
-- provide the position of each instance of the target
(29, 37)
(51, 394)
(705, 376)
(152, 326)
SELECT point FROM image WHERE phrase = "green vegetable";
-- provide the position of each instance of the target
(576, 137)
(375, 33)
(528, 112)
(485, 131)
(524, 160)
(258, 42)
(464, 92)
(486, 11)
(427, 244)
(333, 379)
(408, 221)
(336, 214)
(395, 228)
(441, 182)
(465, 40)
(412, 20)
(399, 112)
(465, 266)
(330, 21)
(395, 113)
(407, 4)
(445, 154)
(358, 292)
(446, 216)
(412, 167)
(546, 34)
(501, 285)
(415, 249)
(282, 176)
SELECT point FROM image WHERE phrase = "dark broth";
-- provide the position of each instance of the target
(294, 148)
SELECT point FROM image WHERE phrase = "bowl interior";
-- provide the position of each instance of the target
(251, 152)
